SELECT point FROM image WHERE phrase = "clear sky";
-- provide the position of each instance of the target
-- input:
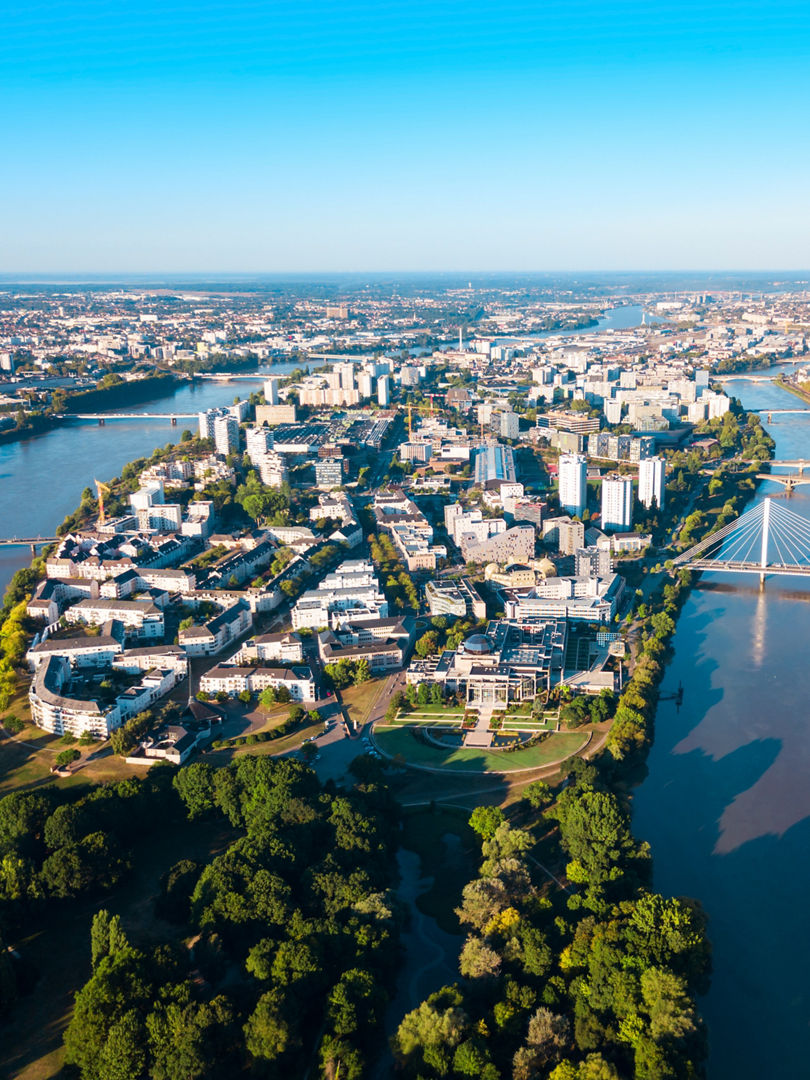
(404, 135)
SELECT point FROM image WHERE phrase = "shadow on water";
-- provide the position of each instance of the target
(726, 808)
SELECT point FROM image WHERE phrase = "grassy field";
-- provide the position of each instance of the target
(358, 701)
(431, 710)
(402, 741)
(526, 723)
(449, 851)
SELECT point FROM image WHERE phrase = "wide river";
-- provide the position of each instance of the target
(726, 803)
(42, 479)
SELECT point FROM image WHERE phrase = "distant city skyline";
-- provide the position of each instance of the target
(416, 136)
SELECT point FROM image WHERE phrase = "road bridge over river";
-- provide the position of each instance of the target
(769, 539)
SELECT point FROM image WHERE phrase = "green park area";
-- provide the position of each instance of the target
(404, 742)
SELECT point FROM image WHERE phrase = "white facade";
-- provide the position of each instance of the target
(573, 483)
(617, 502)
(652, 481)
(226, 435)
(383, 390)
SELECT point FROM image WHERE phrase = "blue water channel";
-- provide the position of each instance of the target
(42, 478)
(726, 804)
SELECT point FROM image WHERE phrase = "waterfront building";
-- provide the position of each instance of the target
(578, 599)
(226, 435)
(207, 419)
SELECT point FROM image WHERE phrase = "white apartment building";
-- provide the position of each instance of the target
(273, 469)
(226, 435)
(384, 391)
(617, 502)
(257, 443)
(652, 481)
(719, 405)
(573, 483)
(352, 592)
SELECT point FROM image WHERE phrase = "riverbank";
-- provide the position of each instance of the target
(792, 388)
(723, 802)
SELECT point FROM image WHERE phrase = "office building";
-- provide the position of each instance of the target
(573, 483)
(510, 425)
(652, 481)
(494, 463)
(275, 414)
(617, 502)
(329, 471)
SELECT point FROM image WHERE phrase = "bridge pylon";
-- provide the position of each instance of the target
(767, 540)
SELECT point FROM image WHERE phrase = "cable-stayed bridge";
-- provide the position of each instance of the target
(768, 539)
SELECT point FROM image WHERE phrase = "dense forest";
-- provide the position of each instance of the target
(590, 980)
(279, 953)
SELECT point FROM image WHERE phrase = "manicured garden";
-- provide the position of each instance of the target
(404, 742)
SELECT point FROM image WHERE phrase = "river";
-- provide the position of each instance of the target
(42, 478)
(726, 803)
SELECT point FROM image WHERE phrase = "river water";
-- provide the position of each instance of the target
(42, 478)
(726, 803)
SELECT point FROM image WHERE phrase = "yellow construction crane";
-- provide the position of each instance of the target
(101, 489)
(420, 408)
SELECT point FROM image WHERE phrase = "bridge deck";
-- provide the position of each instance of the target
(718, 566)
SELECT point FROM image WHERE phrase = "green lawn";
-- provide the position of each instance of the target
(358, 701)
(398, 740)
(428, 710)
(524, 723)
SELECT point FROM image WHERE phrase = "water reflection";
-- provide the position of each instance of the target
(726, 805)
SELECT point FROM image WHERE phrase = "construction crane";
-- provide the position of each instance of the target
(420, 408)
(101, 489)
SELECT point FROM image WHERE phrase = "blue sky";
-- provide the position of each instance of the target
(404, 136)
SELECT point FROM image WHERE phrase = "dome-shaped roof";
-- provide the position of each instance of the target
(546, 567)
(516, 566)
(478, 643)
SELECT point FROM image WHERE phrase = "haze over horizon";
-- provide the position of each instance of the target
(404, 137)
